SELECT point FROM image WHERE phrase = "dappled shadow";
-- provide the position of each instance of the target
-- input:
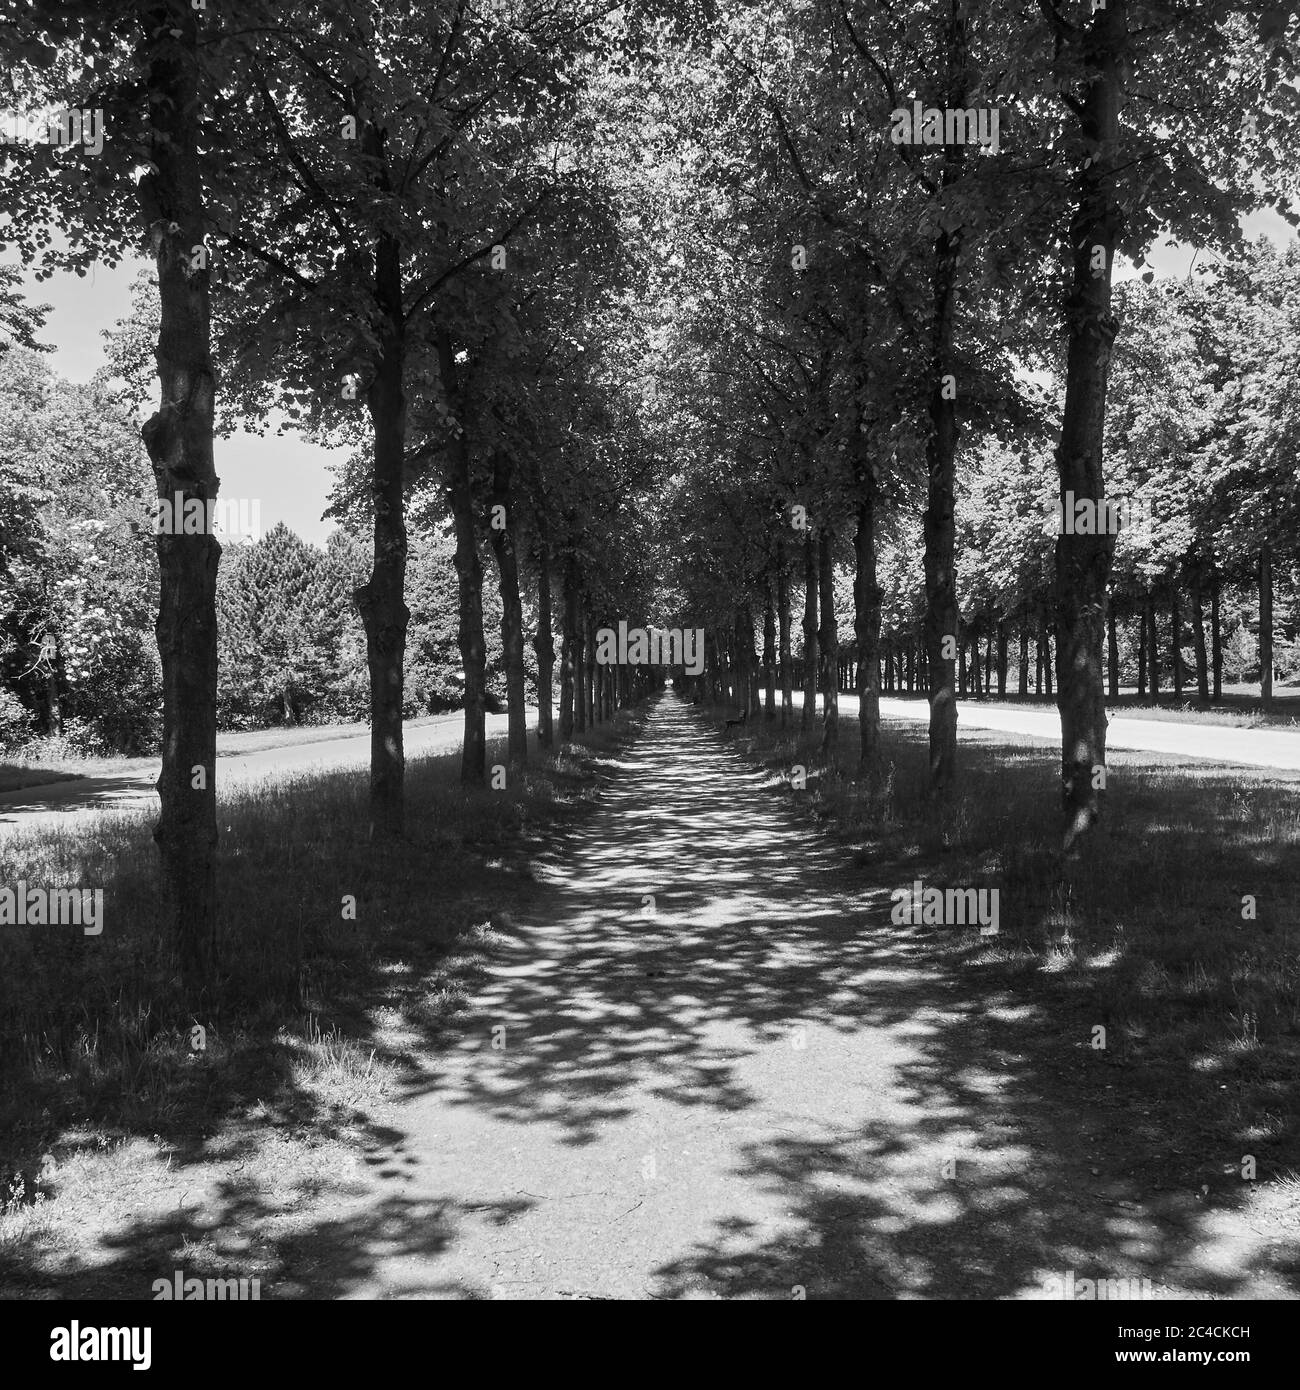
(905, 1126)
(72, 794)
(704, 1062)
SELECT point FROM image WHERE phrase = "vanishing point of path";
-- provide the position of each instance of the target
(757, 1090)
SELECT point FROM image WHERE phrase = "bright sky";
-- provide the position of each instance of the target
(288, 476)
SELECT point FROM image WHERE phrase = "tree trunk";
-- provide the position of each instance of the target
(867, 596)
(544, 646)
(809, 632)
(1153, 648)
(1142, 654)
(783, 624)
(1265, 626)
(585, 663)
(1002, 658)
(742, 663)
(830, 646)
(502, 538)
(1023, 684)
(1112, 651)
(179, 443)
(1176, 638)
(469, 574)
(569, 651)
(1216, 634)
(753, 671)
(1198, 639)
(769, 655)
(1083, 561)
(942, 617)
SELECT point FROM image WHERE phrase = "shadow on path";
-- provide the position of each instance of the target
(709, 1066)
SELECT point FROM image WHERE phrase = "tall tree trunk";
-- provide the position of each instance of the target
(1023, 685)
(1112, 650)
(544, 646)
(753, 674)
(1265, 626)
(1198, 637)
(569, 652)
(502, 538)
(769, 655)
(580, 667)
(1176, 637)
(1083, 561)
(783, 624)
(830, 646)
(867, 596)
(593, 714)
(809, 632)
(1002, 658)
(942, 617)
(1216, 634)
(584, 667)
(1153, 648)
(179, 443)
(469, 574)
(1142, 653)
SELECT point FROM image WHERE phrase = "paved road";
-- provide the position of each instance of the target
(63, 803)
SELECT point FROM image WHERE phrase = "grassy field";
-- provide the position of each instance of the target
(111, 1111)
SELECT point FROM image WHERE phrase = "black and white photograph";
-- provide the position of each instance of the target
(650, 652)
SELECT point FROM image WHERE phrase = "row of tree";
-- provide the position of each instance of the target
(865, 313)
(649, 298)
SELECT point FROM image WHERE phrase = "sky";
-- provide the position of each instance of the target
(288, 476)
